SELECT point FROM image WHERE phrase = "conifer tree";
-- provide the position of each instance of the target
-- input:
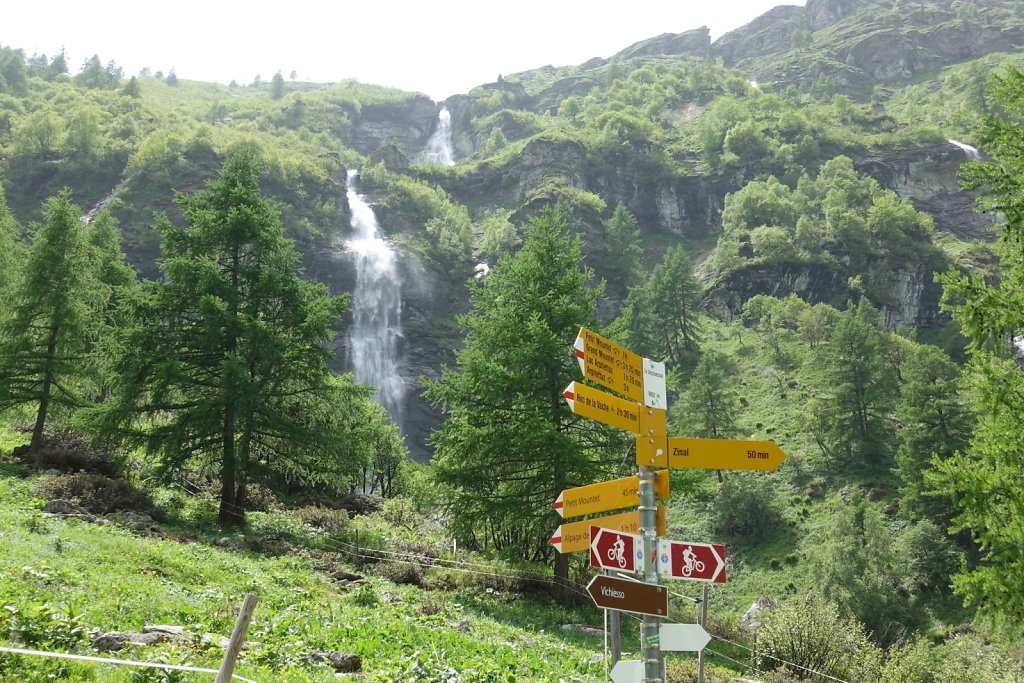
(510, 444)
(661, 317)
(622, 240)
(860, 388)
(10, 250)
(45, 339)
(986, 479)
(936, 424)
(226, 365)
(709, 407)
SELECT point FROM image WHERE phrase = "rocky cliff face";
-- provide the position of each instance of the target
(407, 125)
(696, 42)
(859, 42)
(929, 177)
(913, 299)
(770, 32)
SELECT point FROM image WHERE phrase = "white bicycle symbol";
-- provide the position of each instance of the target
(690, 563)
(617, 553)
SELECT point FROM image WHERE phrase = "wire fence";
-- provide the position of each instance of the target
(367, 553)
(121, 662)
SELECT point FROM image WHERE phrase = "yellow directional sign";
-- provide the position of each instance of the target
(610, 365)
(574, 536)
(724, 454)
(603, 407)
(607, 495)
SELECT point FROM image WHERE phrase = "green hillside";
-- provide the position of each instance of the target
(792, 217)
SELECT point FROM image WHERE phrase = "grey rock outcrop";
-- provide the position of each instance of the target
(407, 124)
(929, 178)
(751, 619)
(696, 42)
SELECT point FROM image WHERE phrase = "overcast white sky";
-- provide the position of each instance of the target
(439, 48)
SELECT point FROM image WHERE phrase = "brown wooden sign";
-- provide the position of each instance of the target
(628, 596)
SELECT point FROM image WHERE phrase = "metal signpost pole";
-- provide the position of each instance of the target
(654, 661)
(704, 594)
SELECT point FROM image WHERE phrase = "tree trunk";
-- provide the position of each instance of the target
(230, 514)
(562, 578)
(44, 399)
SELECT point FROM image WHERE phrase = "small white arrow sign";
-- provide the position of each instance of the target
(628, 671)
(683, 637)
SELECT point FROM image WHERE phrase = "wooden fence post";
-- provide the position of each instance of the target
(227, 667)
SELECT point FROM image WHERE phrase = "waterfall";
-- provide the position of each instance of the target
(971, 152)
(439, 146)
(376, 307)
(89, 215)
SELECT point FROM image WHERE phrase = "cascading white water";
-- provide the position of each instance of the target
(439, 145)
(376, 307)
(971, 151)
(94, 210)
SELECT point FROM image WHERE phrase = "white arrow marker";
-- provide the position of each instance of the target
(570, 396)
(683, 637)
(628, 671)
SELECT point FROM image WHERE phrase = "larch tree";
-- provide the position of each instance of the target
(10, 249)
(224, 364)
(661, 317)
(936, 424)
(987, 477)
(510, 444)
(860, 389)
(45, 339)
(622, 240)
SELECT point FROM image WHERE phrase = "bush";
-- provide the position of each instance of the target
(811, 634)
(68, 451)
(401, 572)
(362, 503)
(749, 504)
(97, 494)
(323, 518)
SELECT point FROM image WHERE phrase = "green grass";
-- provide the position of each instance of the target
(60, 578)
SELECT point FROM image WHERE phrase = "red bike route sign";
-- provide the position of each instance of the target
(691, 561)
(615, 550)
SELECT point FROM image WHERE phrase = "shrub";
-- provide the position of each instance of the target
(68, 451)
(812, 634)
(401, 572)
(362, 503)
(259, 498)
(323, 518)
(96, 493)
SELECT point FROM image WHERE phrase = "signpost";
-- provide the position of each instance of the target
(630, 541)
(628, 671)
(684, 637)
(615, 550)
(607, 495)
(724, 454)
(628, 596)
(691, 561)
(621, 370)
(603, 407)
(573, 536)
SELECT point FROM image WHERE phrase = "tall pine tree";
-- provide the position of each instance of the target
(510, 443)
(225, 365)
(987, 478)
(851, 418)
(44, 341)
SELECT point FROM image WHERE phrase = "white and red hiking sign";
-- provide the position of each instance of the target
(617, 550)
(691, 561)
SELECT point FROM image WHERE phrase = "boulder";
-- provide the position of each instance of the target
(342, 662)
(110, 642)
(751, 619)
(60, 506)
